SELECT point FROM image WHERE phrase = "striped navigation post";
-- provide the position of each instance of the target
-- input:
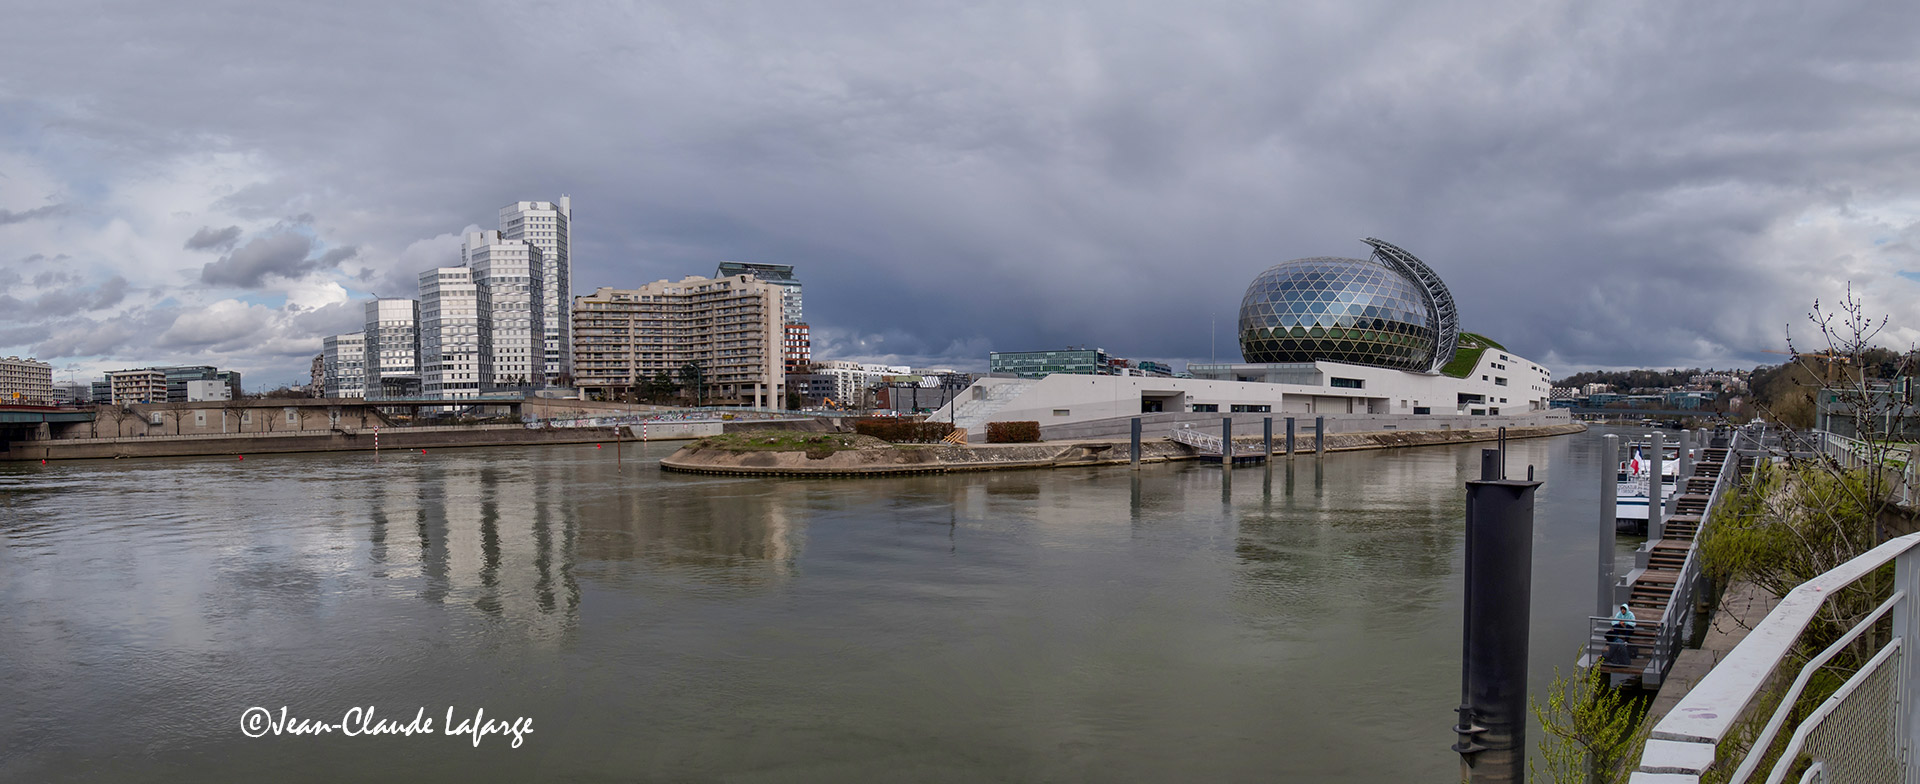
(376, 443)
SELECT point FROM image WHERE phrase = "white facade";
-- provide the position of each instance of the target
(510, 276)
(452, 328)
(549, 226)
(345, 365)
(25, 382)
(392, 348)
(1501, 384)
(851, 380)
(199, 391)
(144, 385)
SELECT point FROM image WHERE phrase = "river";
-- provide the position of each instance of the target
(1294, 624)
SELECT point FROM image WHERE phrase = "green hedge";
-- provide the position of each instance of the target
(1013, 432)
(903, 431)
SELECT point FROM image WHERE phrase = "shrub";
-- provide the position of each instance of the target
(903, 431)
(1013, 432)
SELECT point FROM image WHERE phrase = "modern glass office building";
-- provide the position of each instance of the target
(1039, 364)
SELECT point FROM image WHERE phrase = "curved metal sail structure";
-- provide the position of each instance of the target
(1446, 318)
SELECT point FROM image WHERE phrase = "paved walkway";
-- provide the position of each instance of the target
(1741, 608)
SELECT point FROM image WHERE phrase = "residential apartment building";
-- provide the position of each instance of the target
(798, 346)
(143, 385)
(345, 372)
(852, 380)
(453, 362)
(549, 226)
(510, 276)
(25, 382)
(392, 343)
(730, 326)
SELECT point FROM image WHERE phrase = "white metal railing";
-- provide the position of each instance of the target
(1894, 464)
(1205, 442)
(1860, 734)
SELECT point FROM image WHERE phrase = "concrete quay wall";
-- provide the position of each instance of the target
(947, 458)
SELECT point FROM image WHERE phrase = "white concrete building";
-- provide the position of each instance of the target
(345, 365)
(510, 276)
(25, 382)
(142, 385)
(1500, 384)
(203, 390)
(452, 329)
(392, 340)
(851, 380)
(549, 226)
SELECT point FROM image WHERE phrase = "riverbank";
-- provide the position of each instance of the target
(876, 458)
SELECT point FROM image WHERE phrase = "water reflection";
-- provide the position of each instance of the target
(1033, 625)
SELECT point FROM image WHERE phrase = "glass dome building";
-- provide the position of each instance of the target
(1387, 311)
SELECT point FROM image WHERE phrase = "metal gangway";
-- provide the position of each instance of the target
(1662, 587)
(1202, 442)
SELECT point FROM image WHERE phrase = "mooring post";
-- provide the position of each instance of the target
(1134, 453)
(1226, 442)
(1686, 462)
(1609, 513)
(1289, 436)
(1266, 434)
(1493, 669)
(1319, 436)
(1656, 522)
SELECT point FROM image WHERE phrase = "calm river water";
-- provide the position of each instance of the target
(1069, 625)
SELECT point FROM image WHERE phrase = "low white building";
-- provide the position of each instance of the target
(1500, 384)
(198, 391)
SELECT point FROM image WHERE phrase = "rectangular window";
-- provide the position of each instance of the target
(1499, 381)
(1062, 411)
(1422, 410)
(1206, 408)
(1250, 409)
(1347, 383)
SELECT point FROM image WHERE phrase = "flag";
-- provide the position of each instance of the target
(1634, 467)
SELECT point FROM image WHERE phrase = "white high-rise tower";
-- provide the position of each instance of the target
(509, 275)
(549, 227)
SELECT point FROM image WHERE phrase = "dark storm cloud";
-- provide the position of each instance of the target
(283, 254)
(9, 216)
(1606, 184)
(209, 238)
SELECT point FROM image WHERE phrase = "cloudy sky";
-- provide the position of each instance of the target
(1601, 184)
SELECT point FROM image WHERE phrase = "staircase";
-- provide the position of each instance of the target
(970, 414)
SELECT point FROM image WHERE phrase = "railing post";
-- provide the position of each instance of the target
(1609, 513)
(1906, 628)
(1656, 522)
(1686, 462)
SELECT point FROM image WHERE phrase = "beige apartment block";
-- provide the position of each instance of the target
(731, 326)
